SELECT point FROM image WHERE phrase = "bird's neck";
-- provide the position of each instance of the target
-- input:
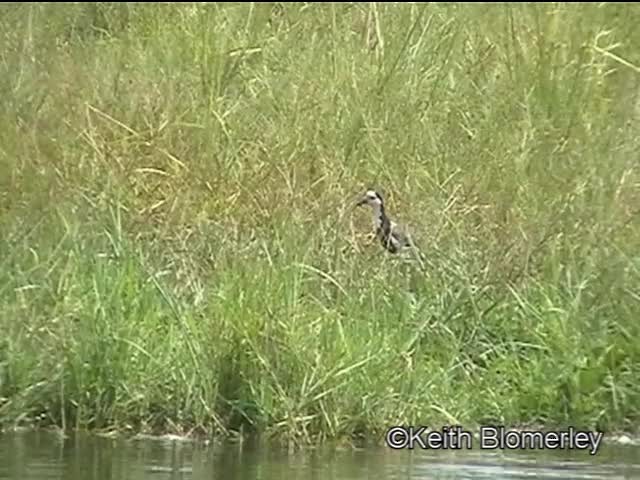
(380, 220)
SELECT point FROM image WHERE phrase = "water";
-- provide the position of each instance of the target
(42, 455)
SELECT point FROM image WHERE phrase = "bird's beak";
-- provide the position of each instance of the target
(361, 202)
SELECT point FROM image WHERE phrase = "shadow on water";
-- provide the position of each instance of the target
(41, 455)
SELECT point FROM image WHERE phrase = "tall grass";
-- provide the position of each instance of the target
(179, 249)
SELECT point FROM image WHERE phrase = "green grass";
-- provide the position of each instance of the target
(179, 250)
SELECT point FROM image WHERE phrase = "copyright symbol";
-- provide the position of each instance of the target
(397, 438)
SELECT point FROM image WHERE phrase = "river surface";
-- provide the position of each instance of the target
(45, 455)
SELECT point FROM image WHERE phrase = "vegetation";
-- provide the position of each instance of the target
(179, 249)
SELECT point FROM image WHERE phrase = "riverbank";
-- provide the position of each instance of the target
(622, 439)
(179, 249)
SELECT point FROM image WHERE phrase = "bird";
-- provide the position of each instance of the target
(392, 237)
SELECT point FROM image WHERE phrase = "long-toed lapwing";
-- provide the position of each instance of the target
(391, 236)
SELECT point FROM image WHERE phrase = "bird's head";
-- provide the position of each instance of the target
(371, 198)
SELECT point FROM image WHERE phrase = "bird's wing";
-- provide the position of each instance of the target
(402, 234)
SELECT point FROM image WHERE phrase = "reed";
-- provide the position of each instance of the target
(179, 250)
